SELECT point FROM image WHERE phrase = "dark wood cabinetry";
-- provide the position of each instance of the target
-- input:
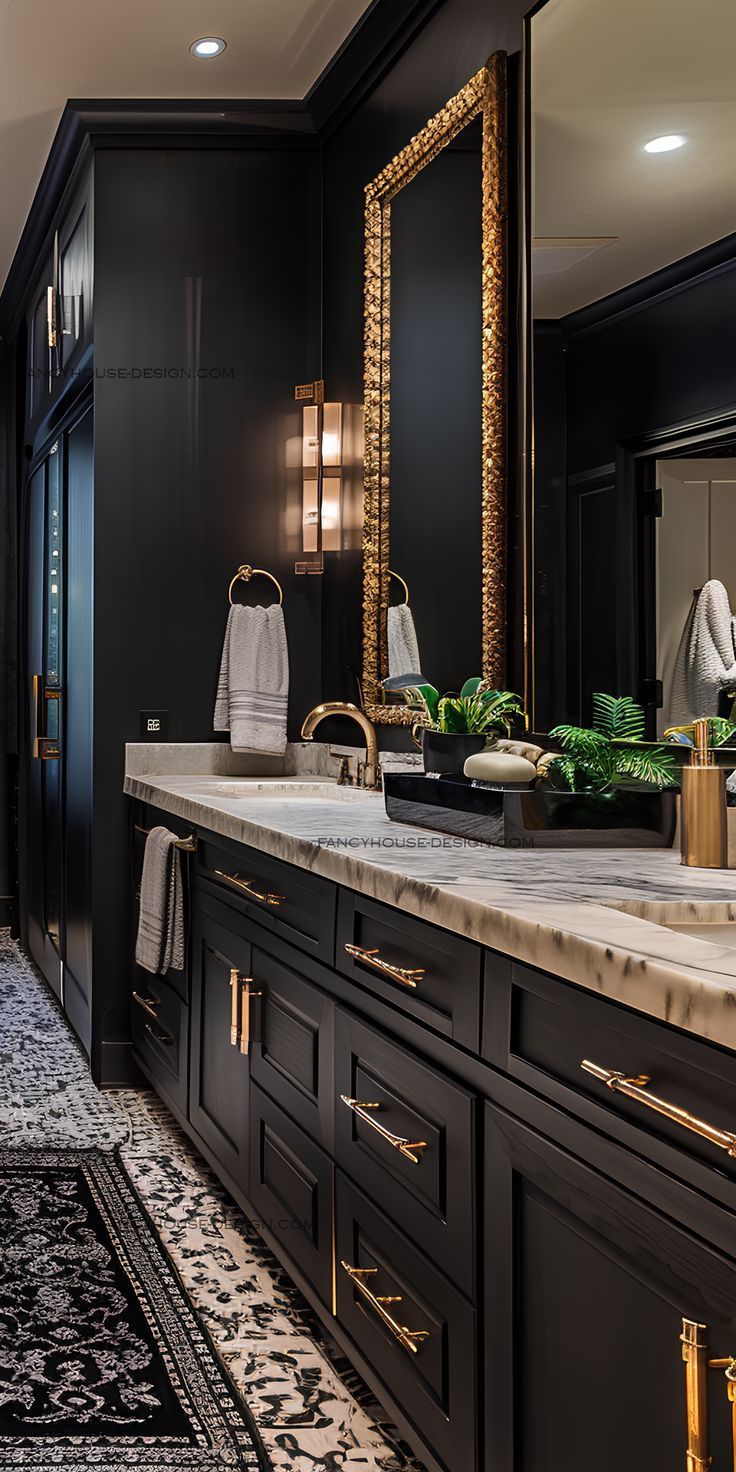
(508, 1250)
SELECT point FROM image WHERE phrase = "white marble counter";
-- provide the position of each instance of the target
(585, 915)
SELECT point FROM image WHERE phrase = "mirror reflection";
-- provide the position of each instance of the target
(632, 202)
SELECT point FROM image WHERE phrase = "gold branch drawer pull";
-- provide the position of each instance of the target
(246, 995)
(409, 1338)
(159, 1035)
(409, 976)
(405, 1147)
(148, 1004)
(246, 885)
(695, 1354)
(636, 1088)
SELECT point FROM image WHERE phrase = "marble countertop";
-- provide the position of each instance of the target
(595, 917)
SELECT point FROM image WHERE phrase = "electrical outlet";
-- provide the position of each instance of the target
(154, 725)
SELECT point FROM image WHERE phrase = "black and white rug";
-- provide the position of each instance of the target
(103, 1363)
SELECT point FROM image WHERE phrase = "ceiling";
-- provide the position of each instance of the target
(606, 78)
(52, 50)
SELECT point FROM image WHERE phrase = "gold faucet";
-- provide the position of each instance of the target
(371, 776)
(703, 812)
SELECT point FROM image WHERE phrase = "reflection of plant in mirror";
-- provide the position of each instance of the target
(476, 711)
(604, 756)
(720, 732)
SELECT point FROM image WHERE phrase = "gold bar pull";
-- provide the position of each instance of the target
(409, 976)
(636, 1088)
(405, 1147)
(148, 1004)
(729, 1365)
(245, 1000)
(695, 1355)
(246, 885)
(159, 1035)
(408, 1338)
(51, 324)
(234, 986)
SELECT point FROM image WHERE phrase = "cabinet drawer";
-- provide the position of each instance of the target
(427, 972)
(542, 1030)
(160, 1032)
(294, 903)
(415, 1330)
(291, 1189)
(408, 1138)
(292, 1054)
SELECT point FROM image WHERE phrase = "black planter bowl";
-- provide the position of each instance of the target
(445, 755)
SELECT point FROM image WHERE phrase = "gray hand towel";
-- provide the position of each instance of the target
(706, 658)
(403, 650)
(253, 689)
(160, 943)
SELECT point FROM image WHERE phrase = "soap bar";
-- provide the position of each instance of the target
(520, 748)
(499, 767)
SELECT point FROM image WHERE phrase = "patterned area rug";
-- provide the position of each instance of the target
(103, 1363)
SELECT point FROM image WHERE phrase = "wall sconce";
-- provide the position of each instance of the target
(331, 441)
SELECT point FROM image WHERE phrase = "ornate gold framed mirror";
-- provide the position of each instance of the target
(435, 399)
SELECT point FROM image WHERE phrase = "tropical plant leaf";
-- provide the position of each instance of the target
(580, 741)
(471, 687)
(452, 716)
(426, 698)
(654, 765)
(618, 717)
(721, 731)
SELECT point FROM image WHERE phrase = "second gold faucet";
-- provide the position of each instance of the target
(371, 774)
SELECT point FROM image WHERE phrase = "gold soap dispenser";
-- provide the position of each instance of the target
(703, 812)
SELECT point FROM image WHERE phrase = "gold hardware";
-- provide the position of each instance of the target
(695, 1355)
(729, 1365)
(245, 1000)
(159, 1037)
(45, 748)
(404, 1146)
(484, 96)
(51, 326)
(371, 770)
(244, 574)
(247, 886)
(234, 984)
(406, 1337)
(403, 582)
(149, 1004)
(304, 392)
(703, 813)
(636, 1088)
(186, 845)
(408, 976)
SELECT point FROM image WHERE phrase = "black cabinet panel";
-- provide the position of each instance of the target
(590, 1286)
(294, 903)
(160, 1031)
(445, 996)
(291, 1189)
(218, 1096)
(291, 1056)
(431, 1369)
(424, 1177)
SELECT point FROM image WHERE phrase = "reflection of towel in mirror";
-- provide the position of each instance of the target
(253, 689)
(160, 942)
(706, 657)
(403, 651)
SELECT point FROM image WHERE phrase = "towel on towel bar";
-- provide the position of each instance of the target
(403, 649)
(160, 943)
(253, 689)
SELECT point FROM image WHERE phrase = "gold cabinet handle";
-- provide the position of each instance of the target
(636, 1088)
(409, 976)
(729, 1365)
(245, 1000)
(45, 748)
(404, 1146)
(247, 886)
(695, 1355)
(148, 1004)
(159, 1035)
(408, 1338)
(234, 996)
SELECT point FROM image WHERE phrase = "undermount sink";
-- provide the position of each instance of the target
(721, 933)
(291, 789)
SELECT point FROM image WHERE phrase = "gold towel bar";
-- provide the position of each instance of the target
(187, 845)
(244, 574)
(403, 582)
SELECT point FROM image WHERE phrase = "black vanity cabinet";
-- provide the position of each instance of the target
(508, 1251)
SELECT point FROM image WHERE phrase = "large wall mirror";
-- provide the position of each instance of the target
(631, 408)
(434, 600)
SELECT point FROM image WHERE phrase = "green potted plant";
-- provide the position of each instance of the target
(450, 728)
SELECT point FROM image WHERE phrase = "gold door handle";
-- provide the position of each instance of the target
(695, 1355)
(408, 1338)
(729, 1365)
(247, 886)
(45, 748)
(636, 1088)
(51, 316)
(245, 1000)
(404, 1146)
(408, 976)
(149, 1004)
(234, 1009)
(159, 1036)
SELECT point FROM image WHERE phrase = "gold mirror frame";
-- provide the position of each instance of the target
(484, 96)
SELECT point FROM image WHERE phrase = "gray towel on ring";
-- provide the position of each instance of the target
(253, 689)
(160, 943)
(403, 650)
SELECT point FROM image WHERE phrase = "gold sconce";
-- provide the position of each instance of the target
(331, 449)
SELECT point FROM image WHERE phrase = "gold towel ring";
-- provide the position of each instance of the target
(404, 585)
(244, 574)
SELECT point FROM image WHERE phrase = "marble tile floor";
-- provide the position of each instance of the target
(312, 1410)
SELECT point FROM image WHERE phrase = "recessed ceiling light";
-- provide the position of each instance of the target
(664, 144)
(208, 46)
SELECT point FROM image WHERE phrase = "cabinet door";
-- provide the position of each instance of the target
(292, 1056)
(588, 1288)
(220, 1022)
